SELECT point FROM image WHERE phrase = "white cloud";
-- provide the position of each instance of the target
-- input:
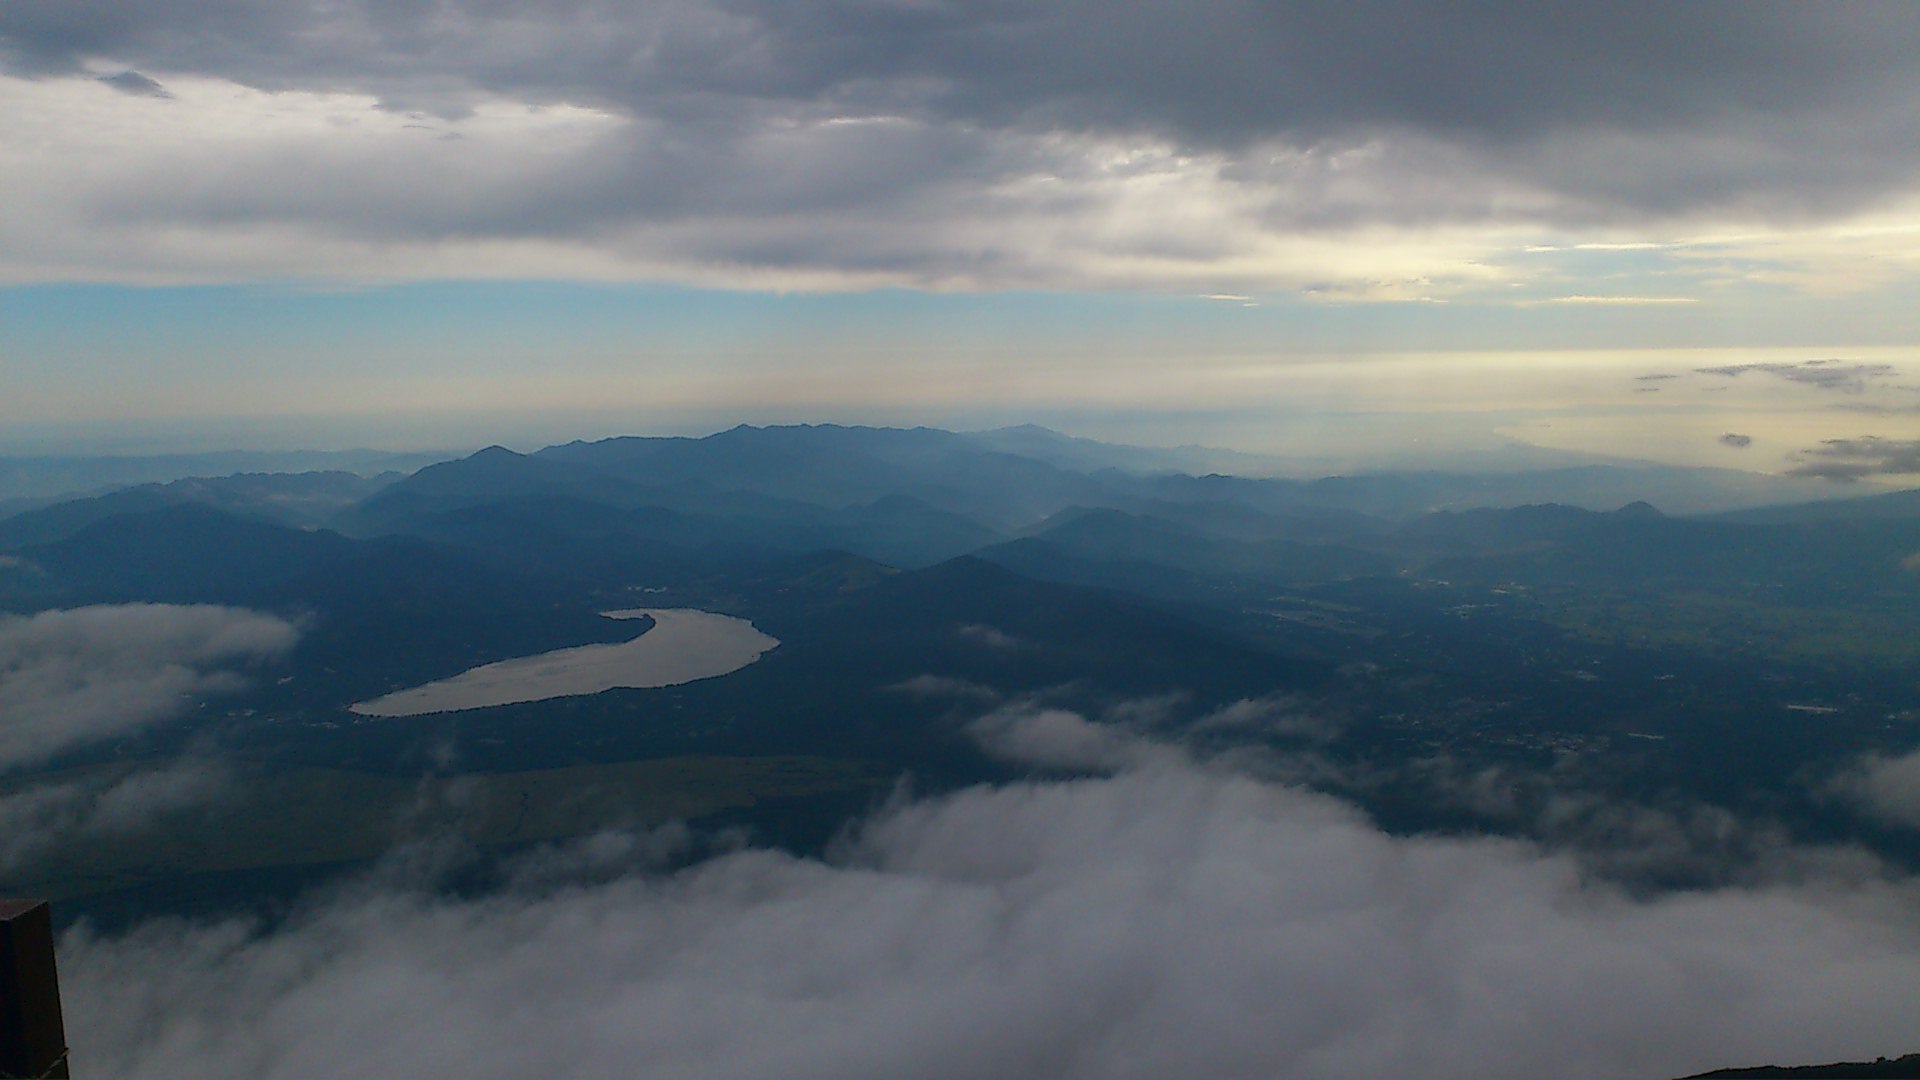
(945, 686)
(69, 678)
(1059, 739)
(1887, 787)
(1169, 919)
(46, 817)
(1268, 716)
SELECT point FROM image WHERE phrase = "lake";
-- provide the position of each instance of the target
(684, 645)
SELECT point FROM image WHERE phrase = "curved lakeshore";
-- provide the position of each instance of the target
(683, 646)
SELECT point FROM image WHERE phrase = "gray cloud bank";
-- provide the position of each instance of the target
(1171, 918)
(70, 678)
(1819, 374)
(1847, 460)
(966, 143)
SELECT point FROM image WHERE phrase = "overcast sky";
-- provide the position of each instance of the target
(684, 214)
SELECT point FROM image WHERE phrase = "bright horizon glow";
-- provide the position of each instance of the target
(319, 231)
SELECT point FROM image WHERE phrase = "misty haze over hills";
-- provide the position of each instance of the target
(1539, 722)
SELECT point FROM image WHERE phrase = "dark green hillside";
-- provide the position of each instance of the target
(986, 623)
(838, 466)
(63, 519)
(297, 499)
(853, 636)
(565, 514)
(492, 475)
(402, 611)
(1860, 557)
(586, 542)
(376, 613)
(184, 553)
(1481, 530)
(1045, 560)
(1156, 557)
(1110, 535)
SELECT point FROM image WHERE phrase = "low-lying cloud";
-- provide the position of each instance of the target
(46, 817)
(1840, 375)
(1170, 918)
(1886, 787)
(1846, 460)
(1059, 739)
(990, 636)
(74, 677)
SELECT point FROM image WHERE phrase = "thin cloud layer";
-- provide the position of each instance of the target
(1350, 151)
(1840, 375)
(1168, 919)
(45, 818)
(1847, 460)
(72, 678)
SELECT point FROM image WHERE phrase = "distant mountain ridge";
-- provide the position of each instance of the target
(639, 508)
(67, 476)
(299, 499)
(1890, 505)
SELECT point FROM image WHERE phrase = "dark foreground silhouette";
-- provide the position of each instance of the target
(1907, 1066)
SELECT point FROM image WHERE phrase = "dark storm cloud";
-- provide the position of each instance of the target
(1171, 918)
(1847, 460)
(1736, 440)
(1223, 74)
(54, 38)
(1613, 110)
(1658, 376)
(1820, 374)
(1639, 108)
